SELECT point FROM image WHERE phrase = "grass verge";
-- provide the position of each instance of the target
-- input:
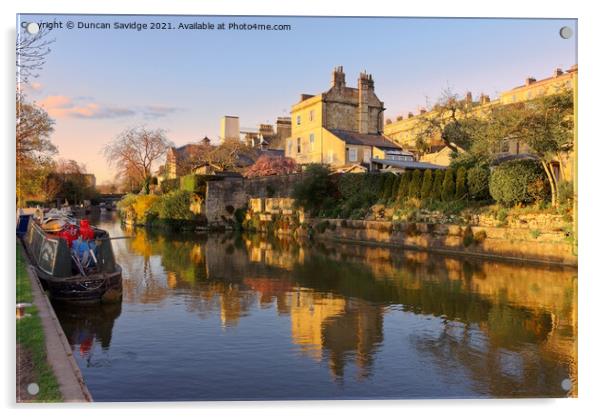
(30, 336)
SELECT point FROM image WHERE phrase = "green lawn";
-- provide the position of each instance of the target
(30, 336)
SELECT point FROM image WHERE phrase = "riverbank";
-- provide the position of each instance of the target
(503, 243)
(43, 354)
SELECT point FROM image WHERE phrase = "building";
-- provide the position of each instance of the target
(341, 126)
(229, 128)
(405, 130)
(265, 137)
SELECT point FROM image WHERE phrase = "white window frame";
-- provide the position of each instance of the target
(312, 140)
(298, 120)
(354, 151)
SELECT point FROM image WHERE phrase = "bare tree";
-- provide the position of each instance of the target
(442, 122)
(31, 53)
(134, 152)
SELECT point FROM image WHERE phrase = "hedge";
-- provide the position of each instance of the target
(518, 182)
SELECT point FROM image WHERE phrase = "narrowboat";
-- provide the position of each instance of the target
(73, 260)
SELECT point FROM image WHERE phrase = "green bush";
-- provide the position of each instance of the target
(395, 188)
(415, 184)
(170, 185)
(387, 189)
(518, 182)
(437, 185)
(175, 206)
(427, 185)
(565, 192)
(478, 183)
(317, 191)
(193, 183)
(448, 189)
(404, 185)
(461, 190)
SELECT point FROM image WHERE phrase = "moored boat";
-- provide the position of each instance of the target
(74, 262)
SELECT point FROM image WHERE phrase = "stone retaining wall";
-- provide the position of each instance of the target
(506, 242)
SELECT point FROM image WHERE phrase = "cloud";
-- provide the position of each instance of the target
(87, 108)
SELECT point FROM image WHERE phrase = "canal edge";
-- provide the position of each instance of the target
(58, 351)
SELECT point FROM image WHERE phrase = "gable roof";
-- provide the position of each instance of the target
(365, 139)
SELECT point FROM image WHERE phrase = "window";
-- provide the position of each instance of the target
(311, 142)
(298, 120)
(298, 145)
(311, 115)
(289, 144)
(367, 156)
(352, 154)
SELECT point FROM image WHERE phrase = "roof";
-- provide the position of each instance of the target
(407, 164)
(365, 139)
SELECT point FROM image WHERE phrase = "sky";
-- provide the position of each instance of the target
(98, 82)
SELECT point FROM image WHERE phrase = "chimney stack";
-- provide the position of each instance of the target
(530, 81)
(422, 110)
(484, 99)
(557, 72)
(338, 77)
(468, 97)
(410, 115)
(365, 87)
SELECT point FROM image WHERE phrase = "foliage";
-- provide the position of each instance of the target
(271, 165)
(404, 185)
(317, 190)
(437, 185)
(415, 184)
(448, 189)
(395, 188)
(427, 185)
(193, 183)
(478, 183)
(170, 185)
(175, 205)
(518, 182)
(143, 206)
(34, 150)
(387, 190)
(565, 192)
(461, 190)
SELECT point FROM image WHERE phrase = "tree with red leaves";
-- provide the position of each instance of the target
(271, 165)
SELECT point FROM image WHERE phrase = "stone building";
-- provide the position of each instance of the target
(341, 126)
(405, 130)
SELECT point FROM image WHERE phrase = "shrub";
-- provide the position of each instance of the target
(461, 191)
(565, 192)
(176, 206)
(404, 185)
(387, 190)
(478, 183)
(271, 165)
(427, 185)
(415, 184)
(480, 236)
(143, 206)
(437, 185)
(448, 189)
(518, 182)
(317, 190)
(170, 185)
(395, 188)
(193, 183)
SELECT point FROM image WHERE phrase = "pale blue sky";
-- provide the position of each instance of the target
(97, 82)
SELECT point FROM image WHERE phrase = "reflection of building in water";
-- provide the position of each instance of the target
(327, 325)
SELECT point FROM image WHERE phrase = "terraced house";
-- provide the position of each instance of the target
(341, 127)
(405, 130)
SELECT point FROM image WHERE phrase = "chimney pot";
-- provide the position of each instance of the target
(530, 80)
(558, 72)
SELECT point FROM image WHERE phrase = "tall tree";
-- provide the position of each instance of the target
(34, 150)
(134, 152)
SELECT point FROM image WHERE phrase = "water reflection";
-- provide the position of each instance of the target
(507, 330)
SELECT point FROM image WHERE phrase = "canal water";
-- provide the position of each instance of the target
(244, 317)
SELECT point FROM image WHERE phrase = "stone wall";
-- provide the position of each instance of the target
(223, 196)
(504, 242)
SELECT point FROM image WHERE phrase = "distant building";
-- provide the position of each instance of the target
(180, 160)
(341, 126)
(230, 128)
(405, 130)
